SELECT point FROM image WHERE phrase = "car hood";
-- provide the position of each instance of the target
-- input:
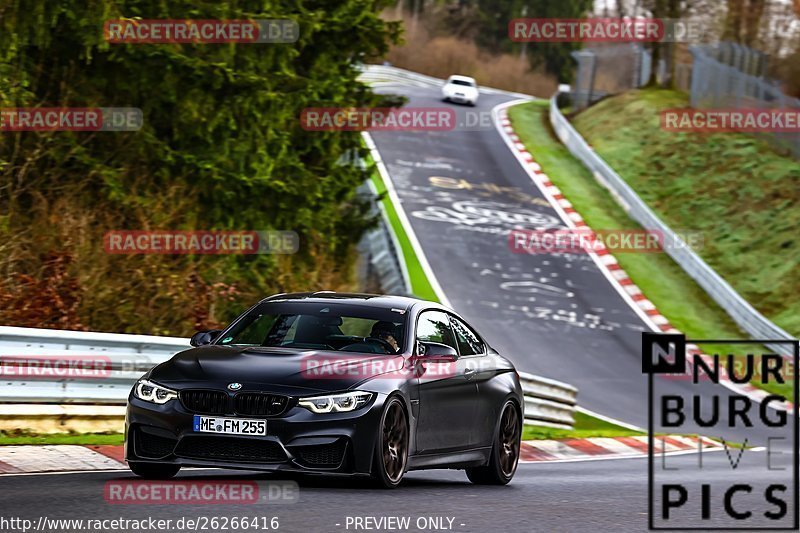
(277, 370)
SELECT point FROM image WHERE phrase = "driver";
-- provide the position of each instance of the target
(383, 329)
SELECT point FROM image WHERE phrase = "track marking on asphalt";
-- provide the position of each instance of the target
(403, 217)
(569, 216)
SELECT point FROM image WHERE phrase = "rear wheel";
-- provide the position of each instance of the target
(154, 470)
(505, 451)
(391, 452)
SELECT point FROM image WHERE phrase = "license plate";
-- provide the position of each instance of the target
(229, 426)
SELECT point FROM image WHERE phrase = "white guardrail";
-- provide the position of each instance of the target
(548, 402)
(28, 386)
(380, 75)
(744, 314)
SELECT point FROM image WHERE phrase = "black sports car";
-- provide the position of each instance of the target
(331, 382)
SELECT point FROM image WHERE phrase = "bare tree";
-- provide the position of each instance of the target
(744, 20)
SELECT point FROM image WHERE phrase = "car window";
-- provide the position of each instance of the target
(313, 325)
(462, 82)
(257, 332)
(434, 326)
(468, 341)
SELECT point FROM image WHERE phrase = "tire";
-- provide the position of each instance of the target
(154, 470)
(391, 446)
(505, 450)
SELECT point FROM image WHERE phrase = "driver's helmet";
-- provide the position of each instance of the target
(382, 329)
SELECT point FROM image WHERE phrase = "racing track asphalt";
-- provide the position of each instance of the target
(554, 316)
(557, 316)
(603, 495)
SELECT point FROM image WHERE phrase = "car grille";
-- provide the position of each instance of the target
(330, 455)
(152, 446)
(255, 403)
(205, 401)
(231, 449)
(212, 402)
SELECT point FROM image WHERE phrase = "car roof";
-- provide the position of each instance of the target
(386, 301)
(462, 78)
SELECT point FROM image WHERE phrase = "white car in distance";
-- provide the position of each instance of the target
(460, 89)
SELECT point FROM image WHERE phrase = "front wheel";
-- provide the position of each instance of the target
(391, 446)
(505, 451)
(154, 470)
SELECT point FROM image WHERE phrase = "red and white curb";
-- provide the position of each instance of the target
(606, 261)
(59, 458)
(73, 458)
(536, 451)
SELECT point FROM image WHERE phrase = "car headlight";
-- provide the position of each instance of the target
(336, 403)
(153, 393)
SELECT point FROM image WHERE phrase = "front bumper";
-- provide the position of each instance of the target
(460, 98)
(298, 440)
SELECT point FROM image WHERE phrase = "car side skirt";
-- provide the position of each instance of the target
(459, 459)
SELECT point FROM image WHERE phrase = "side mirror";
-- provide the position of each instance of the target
(436, 352)
(201, 338)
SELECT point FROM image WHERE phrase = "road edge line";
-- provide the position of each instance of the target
(404, 221)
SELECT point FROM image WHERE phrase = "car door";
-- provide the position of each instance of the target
(447, 393)
(482, 369)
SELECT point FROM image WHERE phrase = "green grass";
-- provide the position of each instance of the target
(420, 285)
(585, 426)
(735, 189)
(675, 294)
(18, 437)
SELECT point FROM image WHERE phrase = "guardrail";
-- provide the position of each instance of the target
(548, 402)
(377, 75)
(744, 314)
(381, 252)
(124, 358)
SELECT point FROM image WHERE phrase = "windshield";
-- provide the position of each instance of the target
(462, 82)
(320, 326)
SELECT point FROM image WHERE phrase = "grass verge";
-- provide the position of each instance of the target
(675, 294)
(19, 437)
(734, 188)
(586, 426)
